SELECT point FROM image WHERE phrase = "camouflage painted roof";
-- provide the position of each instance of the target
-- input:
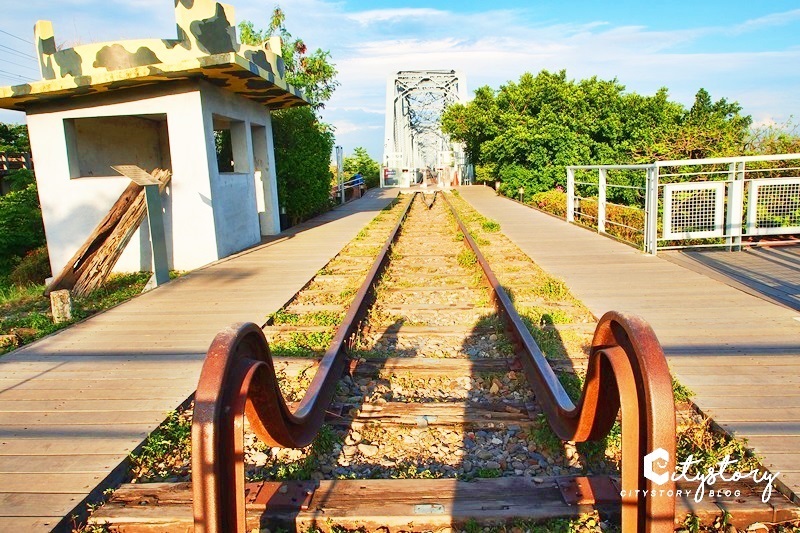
(206, 48)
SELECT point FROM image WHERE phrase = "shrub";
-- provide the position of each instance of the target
(21, 227)
(554, 202)
(34, 268)
(485, 173)
(302, 155)
(617, 217)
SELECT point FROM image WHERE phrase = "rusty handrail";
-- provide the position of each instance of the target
(238, 378)
(627, 369)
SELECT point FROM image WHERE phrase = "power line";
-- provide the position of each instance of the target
(23, 54)
(17, 64)
(16, 75)
(16, 37)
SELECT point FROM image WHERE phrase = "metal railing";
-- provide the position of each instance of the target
(610, 198)
(627, 370)
(339, 190)
(728, 201)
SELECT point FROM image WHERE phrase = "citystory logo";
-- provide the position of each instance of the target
(655, 469)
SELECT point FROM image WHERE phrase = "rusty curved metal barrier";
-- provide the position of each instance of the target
(238, 377)
(627, 369)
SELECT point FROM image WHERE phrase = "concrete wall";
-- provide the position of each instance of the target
(208, 214)
(72, 207)
(246, 200)
(94, 144)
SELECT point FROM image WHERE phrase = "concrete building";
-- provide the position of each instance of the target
(158, 103)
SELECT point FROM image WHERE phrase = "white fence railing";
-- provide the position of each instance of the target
(688, 203)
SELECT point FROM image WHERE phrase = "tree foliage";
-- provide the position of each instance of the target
(302, 143)
(527, 132)
(314, 72)
(21, 227)
(361, 162)
(774, 139)
(14, 138)
(302, 153)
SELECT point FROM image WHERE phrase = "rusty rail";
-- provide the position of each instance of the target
(238, 379)
(429, 205)
(627, 369)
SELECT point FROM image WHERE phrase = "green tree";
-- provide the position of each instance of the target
(774, 139)
(527, 132)
(707, 129)
(302, 153)
(14, 138)
(314, 72)
(361, 162)
(21, 227)
(303, 144)
(472, 124)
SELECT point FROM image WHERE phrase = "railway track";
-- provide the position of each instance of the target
(404, 392)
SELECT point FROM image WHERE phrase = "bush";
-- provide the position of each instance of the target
(485, 173)
(515, 176)
(617, 217)
(32, 269)
(553, 202)
(361, 162)
(21, 226)
(303, 148)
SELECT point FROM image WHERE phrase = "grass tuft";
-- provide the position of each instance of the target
(467, 258)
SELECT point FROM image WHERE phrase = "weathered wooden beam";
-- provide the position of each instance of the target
(78, 263)
(93, 262)
(393, 505)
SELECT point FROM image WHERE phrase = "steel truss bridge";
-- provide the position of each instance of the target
(415, 149)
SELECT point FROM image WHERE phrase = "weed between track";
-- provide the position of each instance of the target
(561, 325)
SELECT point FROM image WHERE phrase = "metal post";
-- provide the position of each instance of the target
(155, 217)
(651, 212)
(339, 171)
(601, 200)
(733, 221)
(570, 194)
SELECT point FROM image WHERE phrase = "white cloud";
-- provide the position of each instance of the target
(346, 127)
(490, 47)
(767, 21)
(392, 15)
(356, 109)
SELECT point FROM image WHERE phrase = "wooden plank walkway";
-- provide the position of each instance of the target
(75, 404)
(739, 353)
(772, 273)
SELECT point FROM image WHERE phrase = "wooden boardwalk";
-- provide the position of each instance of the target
(771, 273)
(739, 353)
(75, 404)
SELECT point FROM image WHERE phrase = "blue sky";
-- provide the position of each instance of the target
(743, 51)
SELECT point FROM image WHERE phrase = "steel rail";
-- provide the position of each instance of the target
(429, 205)
(237, 379)
(627, 369)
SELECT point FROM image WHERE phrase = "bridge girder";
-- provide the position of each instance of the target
(415, 101)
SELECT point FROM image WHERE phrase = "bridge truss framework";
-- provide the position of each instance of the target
(415, 146)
